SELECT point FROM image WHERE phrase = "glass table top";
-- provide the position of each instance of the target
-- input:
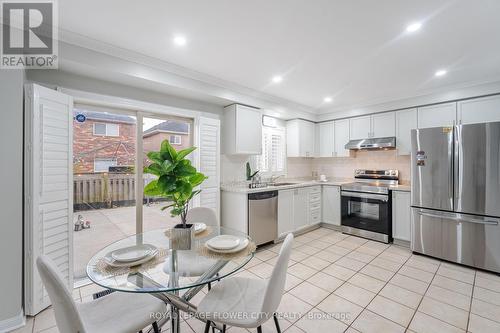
(171, 269)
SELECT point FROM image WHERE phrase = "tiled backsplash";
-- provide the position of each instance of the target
(233, 167)
(343, 167)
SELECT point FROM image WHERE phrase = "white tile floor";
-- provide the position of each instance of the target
(340, 283)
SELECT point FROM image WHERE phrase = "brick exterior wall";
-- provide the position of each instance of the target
(87, 146)
(153, 142)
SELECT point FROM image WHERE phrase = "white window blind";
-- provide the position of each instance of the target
(106, 129)
(175, 139)
(273, 158)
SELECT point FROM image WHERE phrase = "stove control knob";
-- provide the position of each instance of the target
(387, 172)
(393, 172)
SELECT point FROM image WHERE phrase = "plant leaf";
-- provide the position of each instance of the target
(155, 156)
(184, 169)
(152, 189)
(184, 188)
(168, 152)
(154, 169)
(167, 166)
(166, 183)
(167, 206)
(183, 153)
(194, 193)
(197, 179)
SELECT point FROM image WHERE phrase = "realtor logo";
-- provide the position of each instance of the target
(29, 34)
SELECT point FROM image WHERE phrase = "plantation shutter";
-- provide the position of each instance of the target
(48, 189)
(272, 159)
(209, 146)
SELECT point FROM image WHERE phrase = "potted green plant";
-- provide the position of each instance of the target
(177, 180)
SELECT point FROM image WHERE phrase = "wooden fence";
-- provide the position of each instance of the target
(104, 190)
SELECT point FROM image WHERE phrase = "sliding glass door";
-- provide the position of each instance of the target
(109, 150)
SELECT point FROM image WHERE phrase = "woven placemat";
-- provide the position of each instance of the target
(206, 252)
(104, 268)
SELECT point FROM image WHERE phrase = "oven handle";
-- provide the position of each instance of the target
(458, 218)
(381, 197)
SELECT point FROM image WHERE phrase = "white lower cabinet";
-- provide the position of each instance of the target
(298, 208)
(285, 212)
(331, 205)
(401, 215)
(301, 208)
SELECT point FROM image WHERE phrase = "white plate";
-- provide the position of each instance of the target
(243, 244)
(113, 263)
(199, 227)
(132, 253)
(223, 242)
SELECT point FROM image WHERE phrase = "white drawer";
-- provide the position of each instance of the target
(315, 206)
(315, 197)
(315, 189)
(316, 217)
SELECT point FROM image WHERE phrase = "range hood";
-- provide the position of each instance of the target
(375, 143)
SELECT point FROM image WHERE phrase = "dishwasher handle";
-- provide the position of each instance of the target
(262, 195)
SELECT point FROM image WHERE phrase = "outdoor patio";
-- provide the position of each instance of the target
(109, 225)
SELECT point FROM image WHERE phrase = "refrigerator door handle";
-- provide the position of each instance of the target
(458, 218)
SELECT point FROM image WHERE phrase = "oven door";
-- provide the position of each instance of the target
(367, 211)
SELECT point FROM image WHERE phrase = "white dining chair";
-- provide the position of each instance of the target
(245, 302)
(202, 214)
(114, 313)
(189, 265)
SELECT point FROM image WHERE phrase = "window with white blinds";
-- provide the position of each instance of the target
(273, 158)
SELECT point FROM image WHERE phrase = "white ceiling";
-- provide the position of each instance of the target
(356, 51)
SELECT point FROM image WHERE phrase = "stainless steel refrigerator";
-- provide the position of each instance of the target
(456, 194)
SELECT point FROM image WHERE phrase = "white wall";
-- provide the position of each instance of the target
(11, 194)
(58, 78)
(440, 96)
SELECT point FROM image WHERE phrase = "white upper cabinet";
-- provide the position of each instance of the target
(479, 110)
(379, 125)
(383, 125)
(406, 120)
(300, 138)
(439, 115)
(341, 137)
(242, 130)
(360, 128)
(325, 135)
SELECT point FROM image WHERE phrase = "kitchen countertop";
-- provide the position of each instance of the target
(242, 187)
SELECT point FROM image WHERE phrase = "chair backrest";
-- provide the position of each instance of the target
(276, 284)
(202, 214)
(65, 309)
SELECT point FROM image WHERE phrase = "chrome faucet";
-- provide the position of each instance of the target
(274, 178)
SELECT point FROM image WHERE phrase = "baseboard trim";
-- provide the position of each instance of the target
(331, 226)
(401, 242)
(13, 323)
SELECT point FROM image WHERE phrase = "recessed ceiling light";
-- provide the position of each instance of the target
(277, 79)
(180, 40)
(327, 99)
(414, 27)
(440, 72)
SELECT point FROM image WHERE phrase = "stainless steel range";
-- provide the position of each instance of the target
(366, 204)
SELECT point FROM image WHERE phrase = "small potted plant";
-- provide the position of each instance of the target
(177, 180)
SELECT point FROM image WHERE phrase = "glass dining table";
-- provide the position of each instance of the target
(171, 271)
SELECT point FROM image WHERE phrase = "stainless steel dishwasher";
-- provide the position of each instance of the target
(263, 216)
